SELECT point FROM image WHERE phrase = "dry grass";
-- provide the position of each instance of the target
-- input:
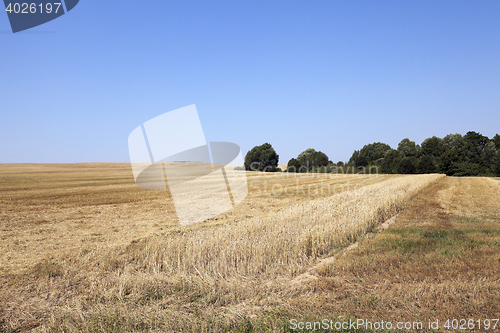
(51, 209)
(440, 260)
(144, 272)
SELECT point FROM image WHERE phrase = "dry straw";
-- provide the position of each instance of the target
(282, 242)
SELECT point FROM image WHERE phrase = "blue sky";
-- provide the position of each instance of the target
(329, 75)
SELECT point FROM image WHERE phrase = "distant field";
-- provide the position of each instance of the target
(50, 209)
(87, 250)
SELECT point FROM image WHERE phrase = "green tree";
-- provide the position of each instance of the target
(469, 155)
(354, 157)
(456, 143)
(432, 146)
(406, 166)
(310, 159)
(449, 162)
(293, 165)
(390, 162)
(369, 154)
(426, 164)
(262, 158)
(361, 161)
(475, 144)
(496, 140)
(496, 169)
(408, 148)
(490, 156)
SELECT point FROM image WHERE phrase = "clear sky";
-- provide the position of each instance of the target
(330, 75)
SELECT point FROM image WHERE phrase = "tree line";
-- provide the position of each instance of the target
(472, 154)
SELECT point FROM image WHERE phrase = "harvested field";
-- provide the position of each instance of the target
(51, 209)
(100, 254)
(440, 260)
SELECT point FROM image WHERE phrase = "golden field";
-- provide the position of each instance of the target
(86, 250)
(50, 209)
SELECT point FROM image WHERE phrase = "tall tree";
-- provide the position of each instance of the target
(262, 158)
(407, 148)
(470, 155)
(449, 162)
(490, 156)
(406, 166)
(369, 154)
(310, 159)
(496, 140)
(456, 143)
(475, 146)
(426, 164)
(432, 146)
(496, 169)
(293, 165)
(390, 162)
(354, 157)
